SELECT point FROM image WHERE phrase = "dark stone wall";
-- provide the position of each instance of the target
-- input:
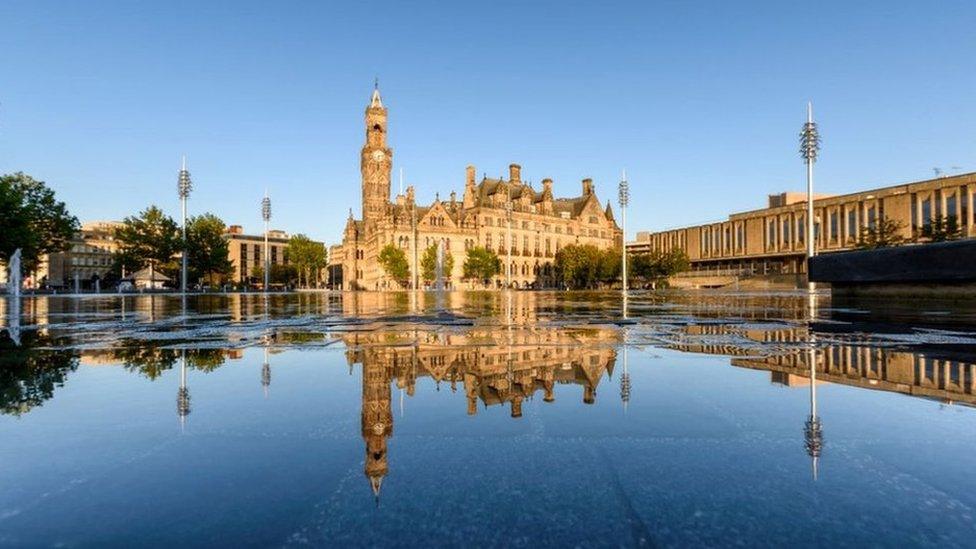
(944, 262)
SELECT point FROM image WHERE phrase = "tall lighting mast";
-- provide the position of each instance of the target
(624, 198)
(809, 149)
(266, 215)
(184, 186)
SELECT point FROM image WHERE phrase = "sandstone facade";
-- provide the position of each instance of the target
(525, 227)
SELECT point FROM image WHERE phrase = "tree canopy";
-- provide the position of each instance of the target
(481, 264)
(207, 249)
(584, 266)
(656, 266)
(883, 233)
(308, 257)
(428, 264)
(942, 229)
(394, 262)
(151, 238)
(32, 219)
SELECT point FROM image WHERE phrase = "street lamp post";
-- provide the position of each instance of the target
(184, 186)
(266, 215)
(809, 149)
(624, 198)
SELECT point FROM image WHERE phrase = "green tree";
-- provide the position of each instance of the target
(883, 233)
(610, 266)
(280, 274)
(942, 229)
(578, 266)
(308, 257)
(657, 266)
(481, 264)
(32, 219)
(428, 264)
(394, 262)
(207, 249)
(150, 239)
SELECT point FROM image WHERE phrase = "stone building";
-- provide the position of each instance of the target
(772, 240)
(524, 226)
(89, 256)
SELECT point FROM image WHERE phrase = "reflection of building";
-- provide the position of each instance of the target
(880, 368)
(89, 255)
(887, 369)
(489, 365)
(771, 240)
(539, 226)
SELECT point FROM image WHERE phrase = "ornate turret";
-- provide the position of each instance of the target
(469, 187)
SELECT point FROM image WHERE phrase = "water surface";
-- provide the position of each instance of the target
(486, 418)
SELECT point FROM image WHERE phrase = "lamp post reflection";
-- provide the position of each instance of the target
(813, 428)
(183, 394)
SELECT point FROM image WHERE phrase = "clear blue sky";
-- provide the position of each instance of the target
(699, 101)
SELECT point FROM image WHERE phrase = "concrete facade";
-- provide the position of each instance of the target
(247, 251)
(772, 240)
(526, 239)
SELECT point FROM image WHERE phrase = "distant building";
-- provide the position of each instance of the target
(772, 240)
(539, 226)
(246, 251)
(89, 256)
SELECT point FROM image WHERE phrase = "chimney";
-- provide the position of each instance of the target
(469, 180)
(547, 185)
(515, 173)
(587, 186)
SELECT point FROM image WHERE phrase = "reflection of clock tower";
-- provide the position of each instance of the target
(377, 418)
(377, 162)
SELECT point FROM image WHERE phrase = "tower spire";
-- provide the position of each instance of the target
(375, 101)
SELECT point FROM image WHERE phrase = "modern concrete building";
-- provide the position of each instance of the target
(525, 227)
(772, 240)
(246, 252)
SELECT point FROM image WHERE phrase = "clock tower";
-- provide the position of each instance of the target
(376, 163)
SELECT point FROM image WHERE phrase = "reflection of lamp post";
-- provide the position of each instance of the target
(624, 198)
(266, 371)
(266, 215)
(813, 428)
(809, 149)
(184, 186)
(183, 394)
(625, 381)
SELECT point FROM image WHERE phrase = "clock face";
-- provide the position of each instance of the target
(378, 156)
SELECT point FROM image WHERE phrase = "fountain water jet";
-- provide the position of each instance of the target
(13, 295)
(14, 276)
